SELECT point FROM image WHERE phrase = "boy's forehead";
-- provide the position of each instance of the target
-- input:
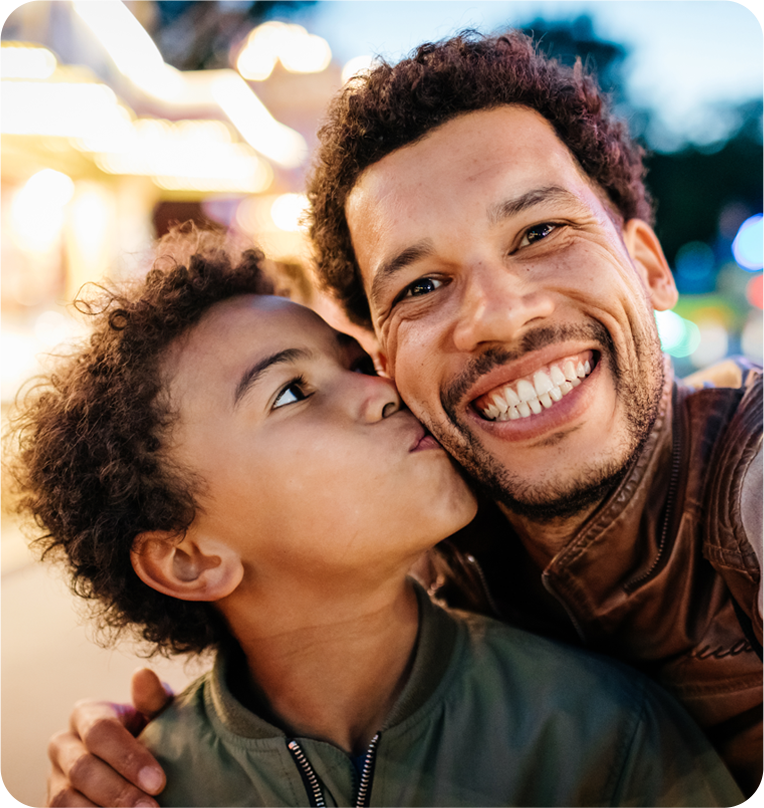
(240, 327)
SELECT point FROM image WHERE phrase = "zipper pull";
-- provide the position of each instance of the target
(313, 786)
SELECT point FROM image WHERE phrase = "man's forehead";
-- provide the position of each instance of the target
(482, 164)
(510, 129)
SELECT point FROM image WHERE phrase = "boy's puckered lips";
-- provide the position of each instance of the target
(424, 440)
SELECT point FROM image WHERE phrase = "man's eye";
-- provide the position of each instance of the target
(536, 233)
(290, 394)
(422, 287)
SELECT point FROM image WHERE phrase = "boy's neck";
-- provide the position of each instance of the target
(337, 674)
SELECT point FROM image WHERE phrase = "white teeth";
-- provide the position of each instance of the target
(498, 402)
(512, 398)
(492, 412)
(525, 390)
(569, 369)
(558, 377)
(542, 383)
(548, 386)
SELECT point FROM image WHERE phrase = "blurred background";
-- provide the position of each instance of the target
(120, 118)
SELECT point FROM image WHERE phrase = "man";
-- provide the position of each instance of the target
(480, 209)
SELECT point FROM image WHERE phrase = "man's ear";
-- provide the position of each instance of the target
(191, 568)
(380, 363)
(647, 253)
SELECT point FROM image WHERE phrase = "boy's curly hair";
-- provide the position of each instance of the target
(395, 105)
(88, 441)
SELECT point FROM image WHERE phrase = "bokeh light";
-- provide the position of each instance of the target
(274, 41)
(713, 344)
(356, 65)
(679, 337)
(748, 246)
(752, 337)
(19, 60)
(37, 209)
(694, 267)
(755, 291)
(287, 211)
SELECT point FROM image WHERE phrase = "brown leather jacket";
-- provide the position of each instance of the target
(661, 576)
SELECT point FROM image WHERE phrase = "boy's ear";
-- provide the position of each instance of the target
(647, 254)
(190, 568)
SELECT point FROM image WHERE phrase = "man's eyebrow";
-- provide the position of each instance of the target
(252, 375)
(403, 259)
(510, 207)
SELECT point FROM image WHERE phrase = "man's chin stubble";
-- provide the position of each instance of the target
(592, 484)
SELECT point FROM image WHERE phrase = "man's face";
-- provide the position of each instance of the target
(515, 315)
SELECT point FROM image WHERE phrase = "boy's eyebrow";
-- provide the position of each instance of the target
(252, 375)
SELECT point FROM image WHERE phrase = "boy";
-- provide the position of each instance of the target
(219, 470)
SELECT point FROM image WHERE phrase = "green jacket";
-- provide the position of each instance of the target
(491, 715)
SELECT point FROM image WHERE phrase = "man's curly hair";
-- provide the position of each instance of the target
(395, 105)
(88, 441)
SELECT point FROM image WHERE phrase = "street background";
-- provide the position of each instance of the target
(118, 118)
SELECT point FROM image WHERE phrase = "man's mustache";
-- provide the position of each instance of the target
(533, 340)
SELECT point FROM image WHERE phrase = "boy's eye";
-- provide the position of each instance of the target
(537, 232)
(290, 394)
(422, 287)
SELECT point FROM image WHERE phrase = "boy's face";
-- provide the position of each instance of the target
(308, 461)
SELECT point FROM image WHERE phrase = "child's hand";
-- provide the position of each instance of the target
(98, 761)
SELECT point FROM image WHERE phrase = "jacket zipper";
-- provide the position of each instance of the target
(363, 798)
(667, 514)
(315, 795)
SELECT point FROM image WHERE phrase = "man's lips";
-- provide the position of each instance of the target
(525, 396)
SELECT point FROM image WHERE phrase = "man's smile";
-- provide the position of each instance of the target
(529, 395)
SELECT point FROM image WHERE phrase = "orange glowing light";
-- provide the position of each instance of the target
(755, 292)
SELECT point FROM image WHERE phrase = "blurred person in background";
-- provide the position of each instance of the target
(479, 208)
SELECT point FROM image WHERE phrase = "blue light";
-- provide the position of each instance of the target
(748, 246)
(694, 268)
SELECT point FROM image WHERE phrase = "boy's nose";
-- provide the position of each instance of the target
(381, 399)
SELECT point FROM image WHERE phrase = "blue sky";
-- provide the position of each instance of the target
(687, 56)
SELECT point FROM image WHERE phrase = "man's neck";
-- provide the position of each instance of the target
(543, 540)
(335, 675)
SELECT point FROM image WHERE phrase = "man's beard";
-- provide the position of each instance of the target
(639, 391)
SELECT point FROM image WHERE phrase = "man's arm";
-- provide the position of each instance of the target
(98, 761)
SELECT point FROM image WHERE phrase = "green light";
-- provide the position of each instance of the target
(679, 337)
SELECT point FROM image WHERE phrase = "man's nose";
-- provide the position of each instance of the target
(497, 304)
